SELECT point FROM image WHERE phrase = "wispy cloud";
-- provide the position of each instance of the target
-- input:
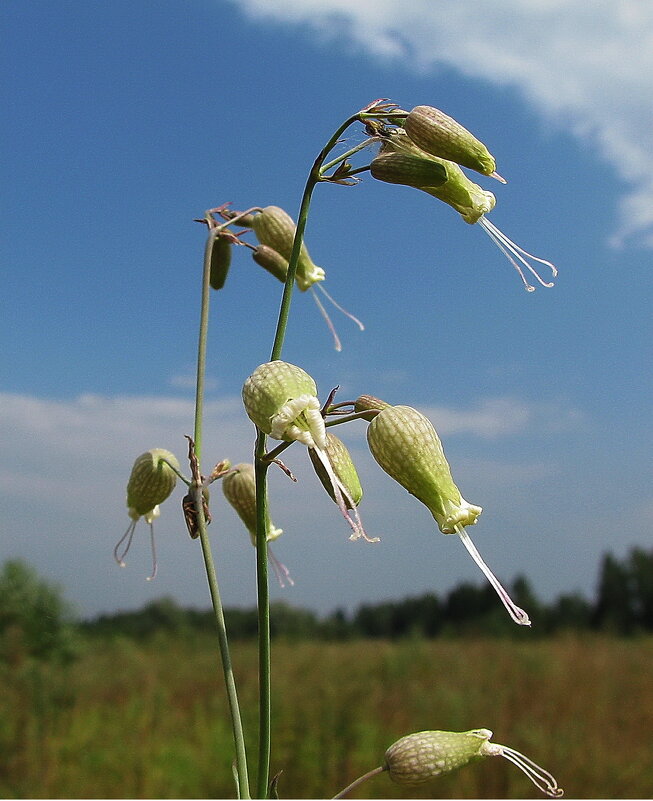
(587, 67)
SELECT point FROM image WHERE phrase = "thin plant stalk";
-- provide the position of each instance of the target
(211, 575)
(261, 466)
(263, 606)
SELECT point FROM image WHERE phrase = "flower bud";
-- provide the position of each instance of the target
(275, 228)
(272, 261)
(239, 488)
(409, 170)
(281, 399)
(440, 135)
(344, 469)
(407, 447)
(419, 757)
(220, 261)
(151, 482)
(368, 403)
(422, 756)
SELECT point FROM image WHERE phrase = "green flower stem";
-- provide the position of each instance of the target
(263, 590)
(223, 644)
(313, 179)
(349, 417)
(261, 466)
(344, 156)
(360, 780)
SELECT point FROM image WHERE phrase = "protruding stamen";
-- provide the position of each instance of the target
(516, 613)
(541, 778)
(336, 339)
(280, 570)
(340, 308)
(498, 177)
(155, 564)
(514, 253)
(128, 535)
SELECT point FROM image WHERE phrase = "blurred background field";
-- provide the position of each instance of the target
(142, 718)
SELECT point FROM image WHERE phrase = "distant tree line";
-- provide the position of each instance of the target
(36, 623)
(623, 606)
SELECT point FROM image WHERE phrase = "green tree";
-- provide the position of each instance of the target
(614, 610)
(35, 619)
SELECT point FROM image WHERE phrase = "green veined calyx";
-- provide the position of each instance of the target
(417, 758)
(406, 445)
(152, 480)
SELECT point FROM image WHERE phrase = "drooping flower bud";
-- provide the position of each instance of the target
(220, 261)
(275, 227)
(239, 488)
(281, 400)
(440, 135)
(420, 757)
(272, 261)
(343, 467)
(408, 170)
(151, 481)
(406, 445)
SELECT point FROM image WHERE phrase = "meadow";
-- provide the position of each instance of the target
(131, 719)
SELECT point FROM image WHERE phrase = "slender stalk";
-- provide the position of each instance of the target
(261, 467)
(312, 180)
(263, 592)
(360, 781)
(211, 575)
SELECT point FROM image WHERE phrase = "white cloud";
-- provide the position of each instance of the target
(588, 67)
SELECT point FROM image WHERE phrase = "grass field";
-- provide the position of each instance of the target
(149, 720)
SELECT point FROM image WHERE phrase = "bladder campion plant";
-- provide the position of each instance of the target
(424, 149)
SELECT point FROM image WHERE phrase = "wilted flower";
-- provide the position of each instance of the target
(151, 481)
(239, 488)
(406, 445)
(420, 757)
(281, 400)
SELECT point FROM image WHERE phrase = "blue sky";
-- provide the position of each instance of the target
(127, 122)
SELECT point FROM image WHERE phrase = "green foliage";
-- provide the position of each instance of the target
(134, 719)
(35, 619)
